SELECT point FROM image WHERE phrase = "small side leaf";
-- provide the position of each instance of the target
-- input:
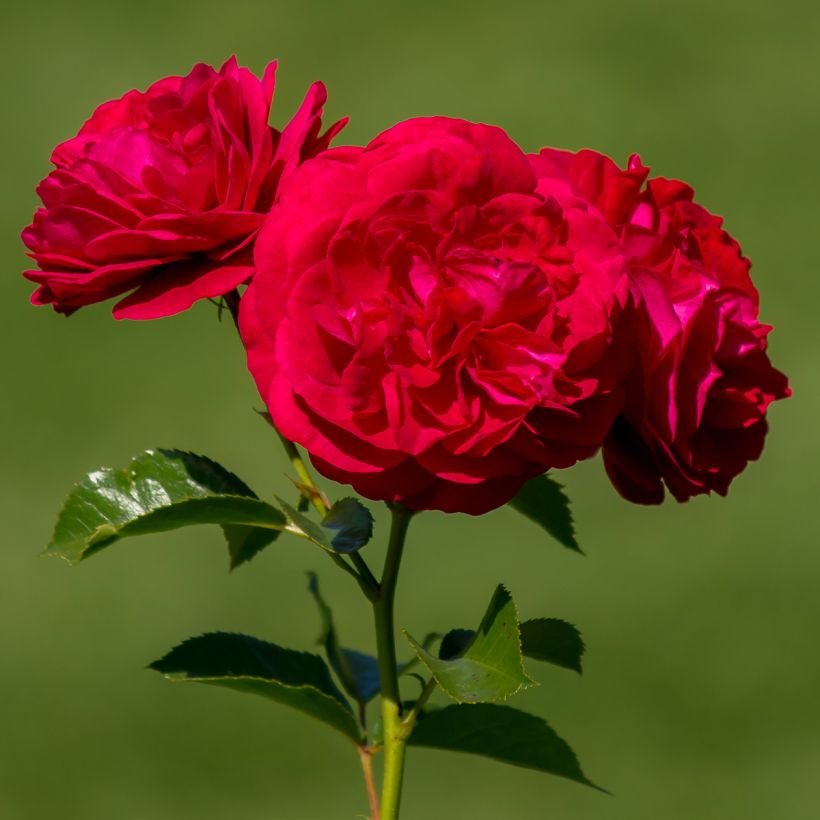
(501, 733)
(299, 524)
(554, 641)
(350, 518)
(297, 679)
(544, 639)
(490, 668)
(364, 670)
(454, 643)
(353, 522)
(358, 672)
(245, 542)
(543, 501)
(162, 490)
(405, 668)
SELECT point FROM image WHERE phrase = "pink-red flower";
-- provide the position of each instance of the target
(696, 402)
(433, 317)
(162, 193)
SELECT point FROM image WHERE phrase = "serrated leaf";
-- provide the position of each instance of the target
(454, 643)
(364, 669)
(162, 490)
(353, 522)
(501, 733)
(490, 668)
(552, 640)
(543, 639)
(404, 668)
(543, 501)
(299, 524)
(245, 542)
(355, 529)
(358, 672)
(245, 664)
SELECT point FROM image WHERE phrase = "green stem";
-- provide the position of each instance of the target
(364, 577)
(395, 732)
(415, 711)
(382, 595)
(305, 478)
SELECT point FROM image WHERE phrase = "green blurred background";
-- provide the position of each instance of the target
(699, 697)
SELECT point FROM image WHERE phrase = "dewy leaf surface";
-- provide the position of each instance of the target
(162, 490)
(300, 680)
(502, 733)
(358, 672)
(543, 501)
(490, 668)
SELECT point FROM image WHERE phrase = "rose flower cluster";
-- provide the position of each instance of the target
(437, 316)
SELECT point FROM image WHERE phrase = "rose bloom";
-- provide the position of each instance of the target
(696, 403)
(430, 322)
(163, 192)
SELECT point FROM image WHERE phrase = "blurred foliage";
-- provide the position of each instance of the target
(698, 697)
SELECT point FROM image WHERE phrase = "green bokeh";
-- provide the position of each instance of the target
(699, 696)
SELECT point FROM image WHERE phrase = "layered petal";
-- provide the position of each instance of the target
(163, 192)
(431, 322)
(697, 398)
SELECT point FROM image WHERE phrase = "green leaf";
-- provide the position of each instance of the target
(553, 641)
(162, 490)
(297, 679)
(301, 525)
(352, 519)
(499, 732)
(364, 670)
(490, 668)
(543, 501)
(245, 542)
(406, 667)
(353, 522)
(358, 672)
(544, 639)
(454, 643)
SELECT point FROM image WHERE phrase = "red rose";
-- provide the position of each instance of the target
(696, 402)
(162, 192)
(428, 320)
